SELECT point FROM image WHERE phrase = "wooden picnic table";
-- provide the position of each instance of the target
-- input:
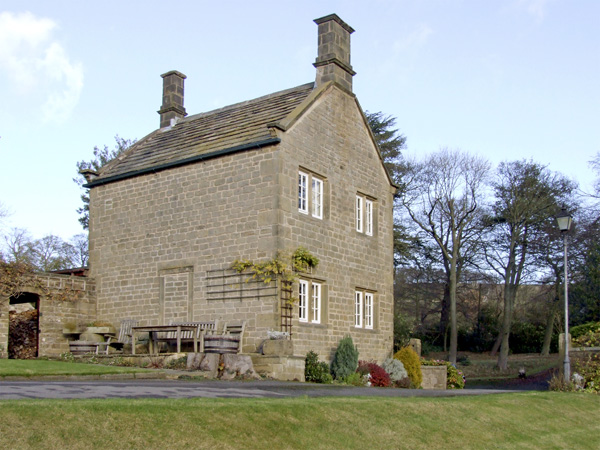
(153, 331)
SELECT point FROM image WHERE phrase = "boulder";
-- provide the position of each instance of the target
(235, 366)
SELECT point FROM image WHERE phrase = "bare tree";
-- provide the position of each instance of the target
(18, 246)
(595, 165)
(52, 253)
(443, 196)
(527, 195)
(80, 256)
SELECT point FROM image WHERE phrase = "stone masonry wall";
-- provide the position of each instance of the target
(153, 239)
(4, 327)
(78, 307)
(331, 142)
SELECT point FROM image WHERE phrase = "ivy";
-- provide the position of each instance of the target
(278, 267)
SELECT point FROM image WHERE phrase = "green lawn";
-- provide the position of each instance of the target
(40, 367)
(549, 420)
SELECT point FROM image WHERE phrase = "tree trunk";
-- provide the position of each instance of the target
(453, 327)
(509, 294)
(552, 311)
(496, 345)
(445, 311)
(549, 331)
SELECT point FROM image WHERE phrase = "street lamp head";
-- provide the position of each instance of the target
(564, 220)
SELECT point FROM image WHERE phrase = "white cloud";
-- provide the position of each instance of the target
(37, 64)
(405, 52)
(415, 40)
(537, 8)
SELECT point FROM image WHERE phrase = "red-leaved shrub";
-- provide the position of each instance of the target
(378, 376)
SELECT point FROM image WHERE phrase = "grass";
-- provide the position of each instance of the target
(40, 367)
(549, 420)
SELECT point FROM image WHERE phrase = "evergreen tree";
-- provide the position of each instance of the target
(102, 156)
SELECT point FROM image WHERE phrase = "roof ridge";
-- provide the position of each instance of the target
(245, 102)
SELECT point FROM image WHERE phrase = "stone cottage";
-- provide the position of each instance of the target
(295, 168)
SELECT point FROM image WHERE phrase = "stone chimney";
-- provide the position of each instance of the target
(172, 102)
(333, 60)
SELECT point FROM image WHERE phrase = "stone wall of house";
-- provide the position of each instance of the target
(331, 142)
(72, 302)
(155, 238)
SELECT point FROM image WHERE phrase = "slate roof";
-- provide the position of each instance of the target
(232, 128)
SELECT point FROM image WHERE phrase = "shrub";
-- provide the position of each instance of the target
(588, 371)
(455, 379)
(412, 365)
(586, 335)
(395, 369)
(378, 377)
(463, 359)
(316, 371)
(585, 328)
(589, 339)
(356, 379)
(345, 360)
(558, 383)
(404, 383)
(177, 364)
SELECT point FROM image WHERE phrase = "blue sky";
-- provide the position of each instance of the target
(507, 79)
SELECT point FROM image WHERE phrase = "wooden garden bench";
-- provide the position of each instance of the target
(202, 329)
(122, 339)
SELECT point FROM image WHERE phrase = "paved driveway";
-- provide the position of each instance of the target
(207, 389)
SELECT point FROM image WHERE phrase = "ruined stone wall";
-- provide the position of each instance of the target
(331, 142)
(4, 322)
(74, 302)
(154, 238)
(78, 308)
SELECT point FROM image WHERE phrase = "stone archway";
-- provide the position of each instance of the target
(23, 328)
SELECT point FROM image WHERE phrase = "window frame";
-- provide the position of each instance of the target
(365, 214)
(369, 310)
(368, 217)
(358, 309)
(311, 194)
(359, 213)
(303, 301)
(316, 300)
(312, 302)
(317, 197)
(303, 179)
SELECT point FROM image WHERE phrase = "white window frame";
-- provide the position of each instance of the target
(303, 301)
(317, 197)
(368, 217)
(303, 192)
(369, 310)
(358, 309)
(359, 214)
(316, 302)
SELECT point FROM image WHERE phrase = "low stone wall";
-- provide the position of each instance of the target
(284, 368)
(434, 377)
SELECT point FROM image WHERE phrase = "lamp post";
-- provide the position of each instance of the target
(565, 221)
